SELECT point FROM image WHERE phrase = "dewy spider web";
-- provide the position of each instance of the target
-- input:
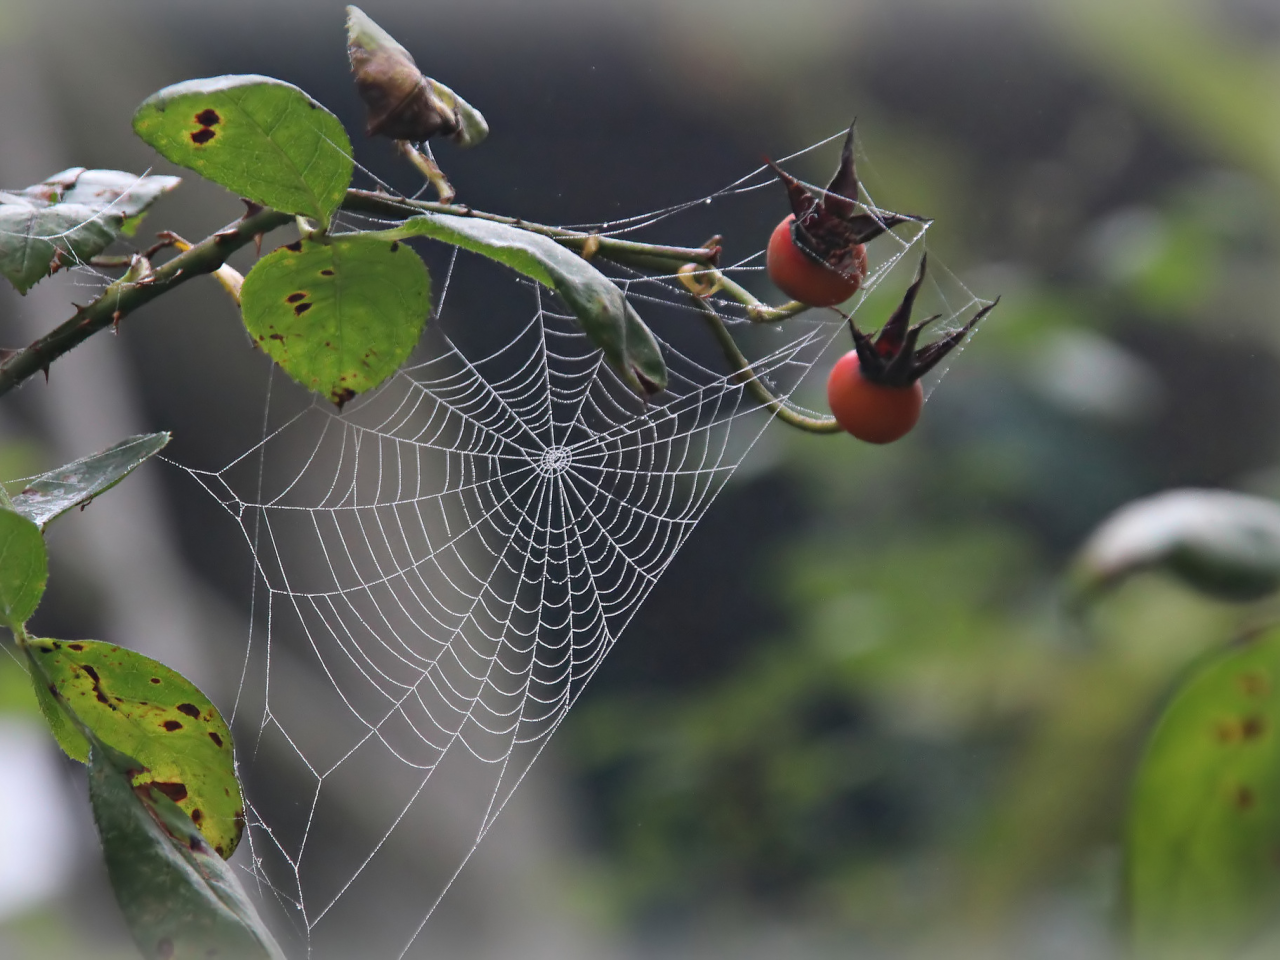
(442, 566)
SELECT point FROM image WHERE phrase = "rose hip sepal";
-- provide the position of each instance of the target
(874, 390)
(827, 230)
(891, 359)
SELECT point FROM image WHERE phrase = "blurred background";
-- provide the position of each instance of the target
(851, 721)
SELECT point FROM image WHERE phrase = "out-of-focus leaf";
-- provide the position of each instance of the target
(34, 240)
(403, 104)
(72, 216)
(1221, 543)
(604, 313)
(180, 900)
(1204, 822)
(261, 138)
(52, 494)
(128, 194)
(24, 568)
(339, 316)
(153, 713)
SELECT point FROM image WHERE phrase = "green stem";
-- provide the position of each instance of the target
(757, 311)
(712, 280)
(629, 253)
(747, 377)
(122, 298)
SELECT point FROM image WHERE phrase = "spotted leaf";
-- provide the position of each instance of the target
(150, 712)
(1203, 846)
(260, 138)
(177, 896)
(339, 317)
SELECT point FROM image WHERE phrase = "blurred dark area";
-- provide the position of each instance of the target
(851, 718)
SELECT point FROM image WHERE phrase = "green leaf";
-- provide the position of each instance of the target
(1204, 820)
(1224, 544)
(34, 240)
(69, 218)
(604, 313)
(52, 494)
(179, 899)
(153, 713)
(24, 568)
(339, 316)
(261, 138)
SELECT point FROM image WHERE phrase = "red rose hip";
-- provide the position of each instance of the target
(871, 411)
(802, 277)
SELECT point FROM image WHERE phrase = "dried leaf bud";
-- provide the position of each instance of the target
(404, 104)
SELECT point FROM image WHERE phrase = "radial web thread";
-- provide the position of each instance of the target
(442, 566)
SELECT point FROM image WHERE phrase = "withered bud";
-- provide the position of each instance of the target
(404, 104)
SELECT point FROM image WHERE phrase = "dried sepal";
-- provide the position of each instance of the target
(892, 358)
(403, 103)
(830, 225)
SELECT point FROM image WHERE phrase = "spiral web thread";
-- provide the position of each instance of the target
(442, 567)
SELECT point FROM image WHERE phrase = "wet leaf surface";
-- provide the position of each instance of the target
(52, 494)
(180, 900)
(69, 218)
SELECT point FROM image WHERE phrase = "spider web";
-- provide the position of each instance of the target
(442, 566)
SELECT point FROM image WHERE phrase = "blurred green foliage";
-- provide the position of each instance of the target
(1203, 827)
(924, 741)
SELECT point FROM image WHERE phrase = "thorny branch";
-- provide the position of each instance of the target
(126, 295)
(208, 256)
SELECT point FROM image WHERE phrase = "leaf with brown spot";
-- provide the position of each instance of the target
(178, 897)
(271, 143)
(1204, 817)
(323, 306)
(143, 708)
